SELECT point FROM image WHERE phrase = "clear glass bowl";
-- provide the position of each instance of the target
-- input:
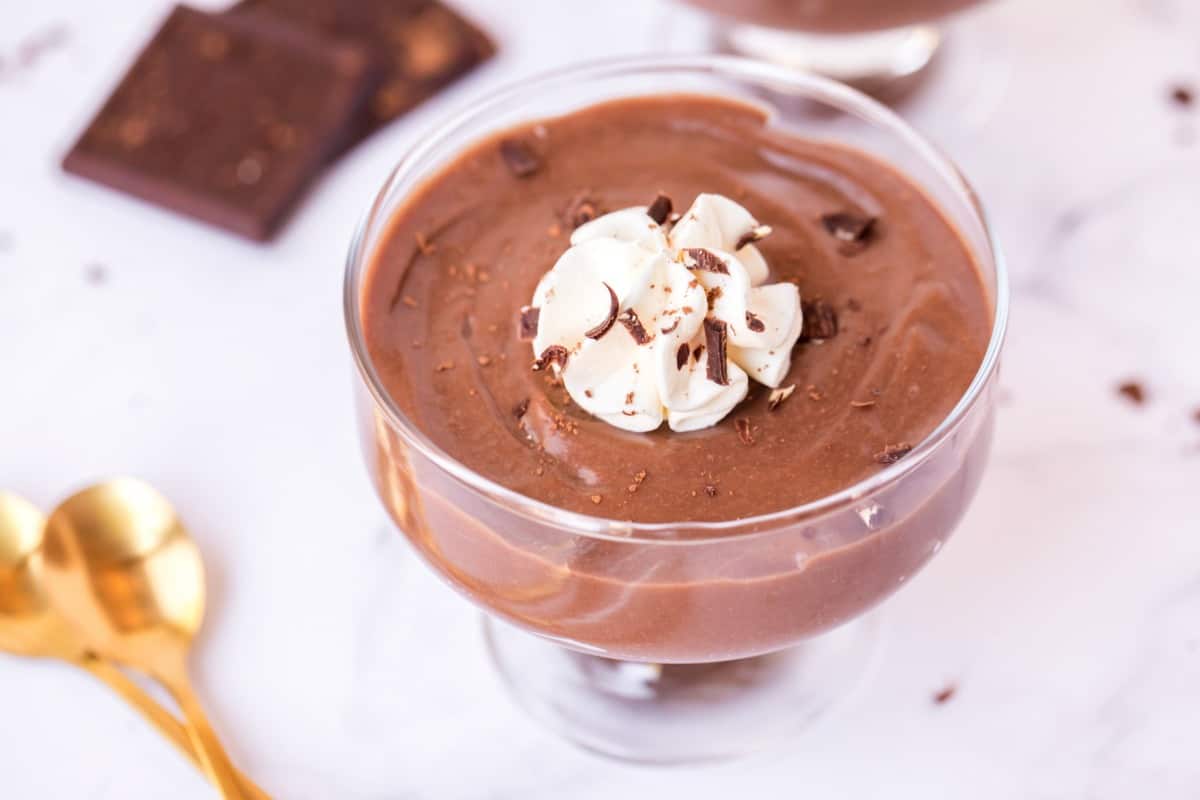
(678, 642)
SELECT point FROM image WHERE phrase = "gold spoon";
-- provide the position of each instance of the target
(30, 626)
(121, 567)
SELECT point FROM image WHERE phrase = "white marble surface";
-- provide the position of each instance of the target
(1066, 610)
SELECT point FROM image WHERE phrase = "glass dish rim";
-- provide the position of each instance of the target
(810, 85)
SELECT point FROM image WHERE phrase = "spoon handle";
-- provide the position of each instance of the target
(204, 739)
(157, 716)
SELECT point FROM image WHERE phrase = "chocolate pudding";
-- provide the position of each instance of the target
(895, 324)
(833, 16)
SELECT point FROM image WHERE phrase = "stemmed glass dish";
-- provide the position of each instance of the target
(684, 641)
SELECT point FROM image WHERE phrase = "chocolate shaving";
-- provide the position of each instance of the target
(554, 354)
(527, 327)
(849, 227)
(660, 209)
(1133, 391)
(820, 321)
(945, 695)
(672, 327)
(581, 210)
(707, 261)
(629, 319)
(893, 453)
(775, 400)
(743, 430)
(614, 306)
(755, 234)
(681, 355)
(754, 323)
(716, 333)
(520, 408)
(519, 157)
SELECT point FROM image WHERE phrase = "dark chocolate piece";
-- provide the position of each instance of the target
(554, 354)
(716, 334)
(744, 431)
(604, 327)
(893, 453)
(755, 234)
(698, 353)
(699, 258)
(820, 321)
(420, 45)
(754, 323)
(527, 326)
(209, 122)
(681, 355)
(671, 328)
(1133, 391)
(660, 209)
(846, 226)
(629, 319)
(519, 157)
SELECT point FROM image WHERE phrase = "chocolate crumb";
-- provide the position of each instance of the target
(520, 159)
(744, 431)
(408, 301)
(754, 323)
(554, 231)
(820, 321)
(445, 366)
(596, 499)
(716, 334)
(700, 258)
(1133, 391)
(660, 209)
(945, 695)
(587, 393)
(483, 361)
(639, 477)
(629, 319)
(1182, 95)
(605, 326)
(628, 413)
(862, 403)
(893, 453)
(777, 396)
(581, 210)
(554, 354)
(848, 227)
(520, 408)
(629, 398)
(528, 324)
(755, 234)
(671, 328)
(814, 393)
(681, 356)
(710, 490)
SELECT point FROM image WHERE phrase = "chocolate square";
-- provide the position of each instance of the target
(226, 119)
(422, 44)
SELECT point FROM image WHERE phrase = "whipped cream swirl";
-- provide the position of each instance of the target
(645, 321)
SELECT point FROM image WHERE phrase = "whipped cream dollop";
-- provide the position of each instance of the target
(645, 320)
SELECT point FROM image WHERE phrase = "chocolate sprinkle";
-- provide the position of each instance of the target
(554, 354)
(743, 430)
(707, 261)
(893, 453)
(1133, 391)
(520, 408)
(528, 325)
(754, 323)
(660, 209)
(716, 334)
(681, 355)
(671, 328)
(755, 234)
(520, 159)
(629, 319)
(820, 321)
(849, 227)
(605, 326)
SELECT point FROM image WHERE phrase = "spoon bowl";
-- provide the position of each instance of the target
(29, 624)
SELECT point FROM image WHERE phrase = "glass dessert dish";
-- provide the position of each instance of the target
(676, 642)
(871, 45)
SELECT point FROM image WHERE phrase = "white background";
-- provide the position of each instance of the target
(1066, 610)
